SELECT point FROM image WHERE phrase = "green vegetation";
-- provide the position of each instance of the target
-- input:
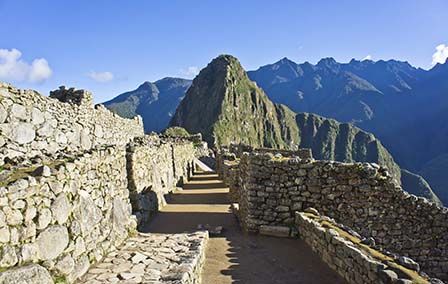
(176, 131)
(375, 254)
(60, 280)
(332, 140)
(435, 173)
(18, 173)
(417, 185)
(225, 106)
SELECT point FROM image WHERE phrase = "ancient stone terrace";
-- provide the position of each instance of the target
(86, 197)
(363, 197)
(75, 181)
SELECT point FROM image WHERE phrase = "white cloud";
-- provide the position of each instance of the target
(15, 69)
(368, 57)
(102, 77)
(40, 70)
(440, 55)
(191, 71)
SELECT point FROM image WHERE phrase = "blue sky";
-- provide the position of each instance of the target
(109, 47)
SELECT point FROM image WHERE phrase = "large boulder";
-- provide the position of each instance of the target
(120, 216)
(52, 242)
(86, 212)
(61, 208)
(30, 274)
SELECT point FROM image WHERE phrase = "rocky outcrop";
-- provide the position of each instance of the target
(417, 185)
(225, 106)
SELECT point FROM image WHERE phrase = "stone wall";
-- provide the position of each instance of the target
(67, 214)
(35, 125)
(362, 196)
(156, 167)
(228, 159)
(239, 149)
(183, 158)
(355, 260)
(230, 176)
(71, 176)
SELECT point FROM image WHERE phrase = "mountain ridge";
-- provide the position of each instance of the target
(155, 101)
(398, 99)
(244, 113)
(384, 97)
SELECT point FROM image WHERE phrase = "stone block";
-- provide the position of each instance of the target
(275, 231)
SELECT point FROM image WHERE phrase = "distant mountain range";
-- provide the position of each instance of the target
(226, 106)
(154, 102)
(405, 107)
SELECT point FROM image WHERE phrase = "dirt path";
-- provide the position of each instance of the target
(235, 257)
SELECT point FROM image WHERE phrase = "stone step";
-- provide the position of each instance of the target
(153, 258)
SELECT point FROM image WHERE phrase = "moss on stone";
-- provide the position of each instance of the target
(375, 254)
(176, 131)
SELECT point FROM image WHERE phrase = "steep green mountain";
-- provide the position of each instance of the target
(435, 172)
(225, 106)
(417, 185)
(332, 140)
(154, 102)
(405, 107)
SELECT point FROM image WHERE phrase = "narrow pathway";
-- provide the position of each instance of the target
(233, 256)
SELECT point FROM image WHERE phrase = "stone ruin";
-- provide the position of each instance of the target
(76, 181)
(73, 96)
(354, 215)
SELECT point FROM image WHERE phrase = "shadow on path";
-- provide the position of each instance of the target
(233, 256)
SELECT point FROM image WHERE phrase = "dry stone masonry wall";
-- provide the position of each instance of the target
(361, 196)
(71, 176)
(156, 167)
(352, 258)
(230, 176)
(228, 163)
(66, 215)
(34, 125)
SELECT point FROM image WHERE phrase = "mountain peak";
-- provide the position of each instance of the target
(147, 86)
(225, 58)
(284, 70)
(224, 105)
(327, 61)
(168, 83)
(220, 68)
(285, 60)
